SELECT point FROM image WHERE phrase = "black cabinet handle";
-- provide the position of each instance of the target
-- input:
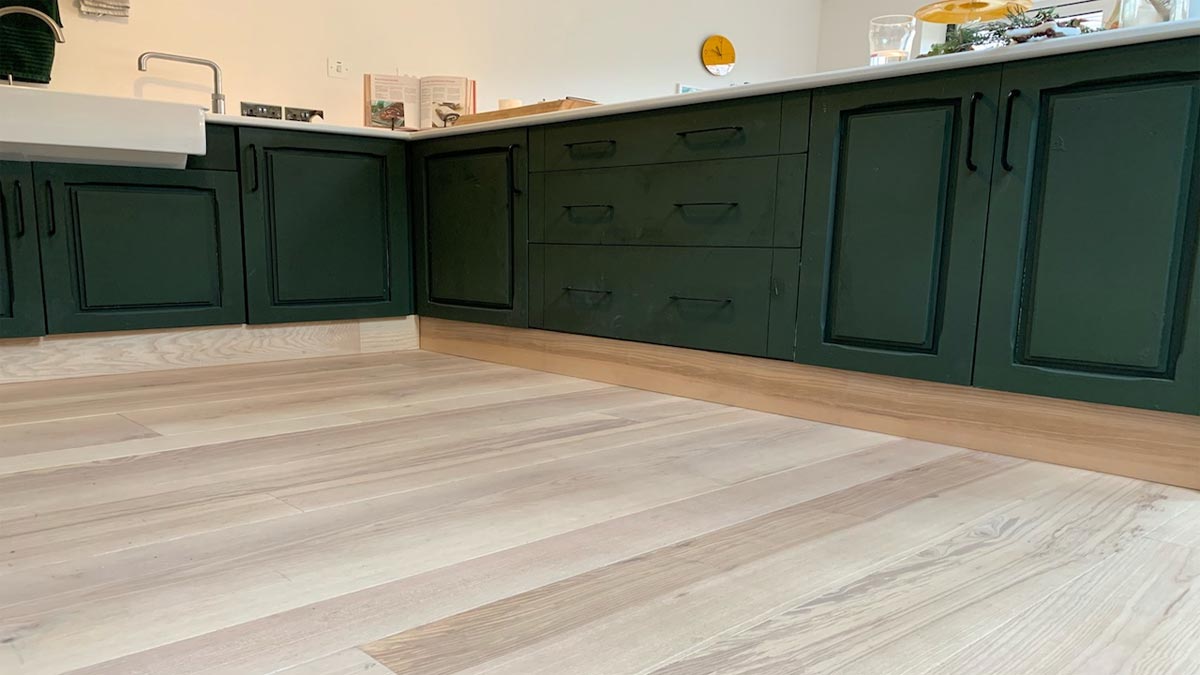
(253, 150)
(684, 205)
(572, 289)
(572, 207)
(52, 228)
(20, 197)
(721, 301)
(579, 144)
(1008, 117)
(3, 214)
(694, 132)
(975, 99)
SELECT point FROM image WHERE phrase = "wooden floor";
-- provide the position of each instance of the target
(419, 513)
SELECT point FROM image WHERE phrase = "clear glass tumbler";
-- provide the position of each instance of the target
(892, 38)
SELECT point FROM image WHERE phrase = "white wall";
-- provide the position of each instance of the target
(274, 51)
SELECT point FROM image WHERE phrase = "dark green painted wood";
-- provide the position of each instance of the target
(221, 150)
(1091, 288)
(470, 204)
(718, 203)
(326, 227)
(716, 299)
(785, 277)
(738, 128)
(797, 109)
(126, 248)
(21, 311)
(537, 289)
(789, 200)
(537, 149)
(895, 225)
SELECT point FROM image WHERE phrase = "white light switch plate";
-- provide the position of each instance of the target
(338, 68)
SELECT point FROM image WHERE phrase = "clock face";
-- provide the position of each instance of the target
(718, 55)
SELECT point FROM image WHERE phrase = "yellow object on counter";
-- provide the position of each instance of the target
(962, 11)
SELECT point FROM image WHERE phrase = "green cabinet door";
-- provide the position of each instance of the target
(1091, 286)
(126, 248)
(898, 180)
(326, 225)
(21, 312)
(472, 216)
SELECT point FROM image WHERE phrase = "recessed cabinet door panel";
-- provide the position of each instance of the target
(21, 311)
(326, 227)
(126, 248)
(898, 183)
(1091, 287)
(471, 207)
(468, 264)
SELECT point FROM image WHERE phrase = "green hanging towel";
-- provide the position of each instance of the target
(27, 43)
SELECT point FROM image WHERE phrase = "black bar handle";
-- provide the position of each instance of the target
(3, 215)
(52, 228)
(572, 207)
(694, 132)
(1008, 117)
(572, 289)
(572, 146)
(722, 301)
(512, 169)
(253, 150)
(975, 99)
(20, 197)
(684, 205)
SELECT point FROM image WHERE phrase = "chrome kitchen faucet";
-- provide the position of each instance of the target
(218, 97)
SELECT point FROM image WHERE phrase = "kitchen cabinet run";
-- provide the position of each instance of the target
(21, 311)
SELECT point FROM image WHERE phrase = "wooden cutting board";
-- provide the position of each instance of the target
(534, 109)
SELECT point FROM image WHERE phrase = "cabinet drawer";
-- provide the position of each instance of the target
(704, 298)
(722, 203)
(739, 128)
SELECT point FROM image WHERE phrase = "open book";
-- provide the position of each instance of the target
(407, 102)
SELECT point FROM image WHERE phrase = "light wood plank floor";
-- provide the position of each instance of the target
(419, 513)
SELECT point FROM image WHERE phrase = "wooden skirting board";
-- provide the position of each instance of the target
(1161, 447)
(84, 355)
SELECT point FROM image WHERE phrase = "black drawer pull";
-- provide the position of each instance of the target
(685, 298)
(694, 132)
(975, 99)
(579, 144)
(20, 208)
(572, 289)
(684, 205)
(572, 207)
(52, 226)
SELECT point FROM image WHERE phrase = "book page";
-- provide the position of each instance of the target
(444, 100)
(392, 101)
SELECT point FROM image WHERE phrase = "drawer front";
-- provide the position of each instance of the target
(717, 299)
(742, 128)
(723, 203)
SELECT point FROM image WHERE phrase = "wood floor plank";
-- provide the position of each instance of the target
(370, 614)
(915, 612)
(492, 635)
(43, 437)
(349, 662)
(288, 562)
(1133, 613)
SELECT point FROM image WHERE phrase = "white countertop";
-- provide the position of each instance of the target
(1056, 46)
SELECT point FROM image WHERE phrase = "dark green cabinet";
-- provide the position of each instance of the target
(899, 175)
(127, 248)
(1091, 286)
(326, 226)
(21, 312)
(470, 206)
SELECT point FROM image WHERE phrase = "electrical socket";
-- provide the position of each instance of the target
(301, 114)
(337, 68)
(262, 110)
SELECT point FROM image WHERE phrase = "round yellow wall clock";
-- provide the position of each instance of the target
(718, 55)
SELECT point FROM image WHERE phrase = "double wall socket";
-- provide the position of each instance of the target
(263, 110)
(302, 114)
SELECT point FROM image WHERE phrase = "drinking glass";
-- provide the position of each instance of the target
(892, 38)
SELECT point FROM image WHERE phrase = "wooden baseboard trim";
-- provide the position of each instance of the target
(1160, 447)
(84, 355)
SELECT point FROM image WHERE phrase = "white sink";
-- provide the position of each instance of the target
(41, 125)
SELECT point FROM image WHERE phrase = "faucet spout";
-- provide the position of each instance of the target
(218, 96)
